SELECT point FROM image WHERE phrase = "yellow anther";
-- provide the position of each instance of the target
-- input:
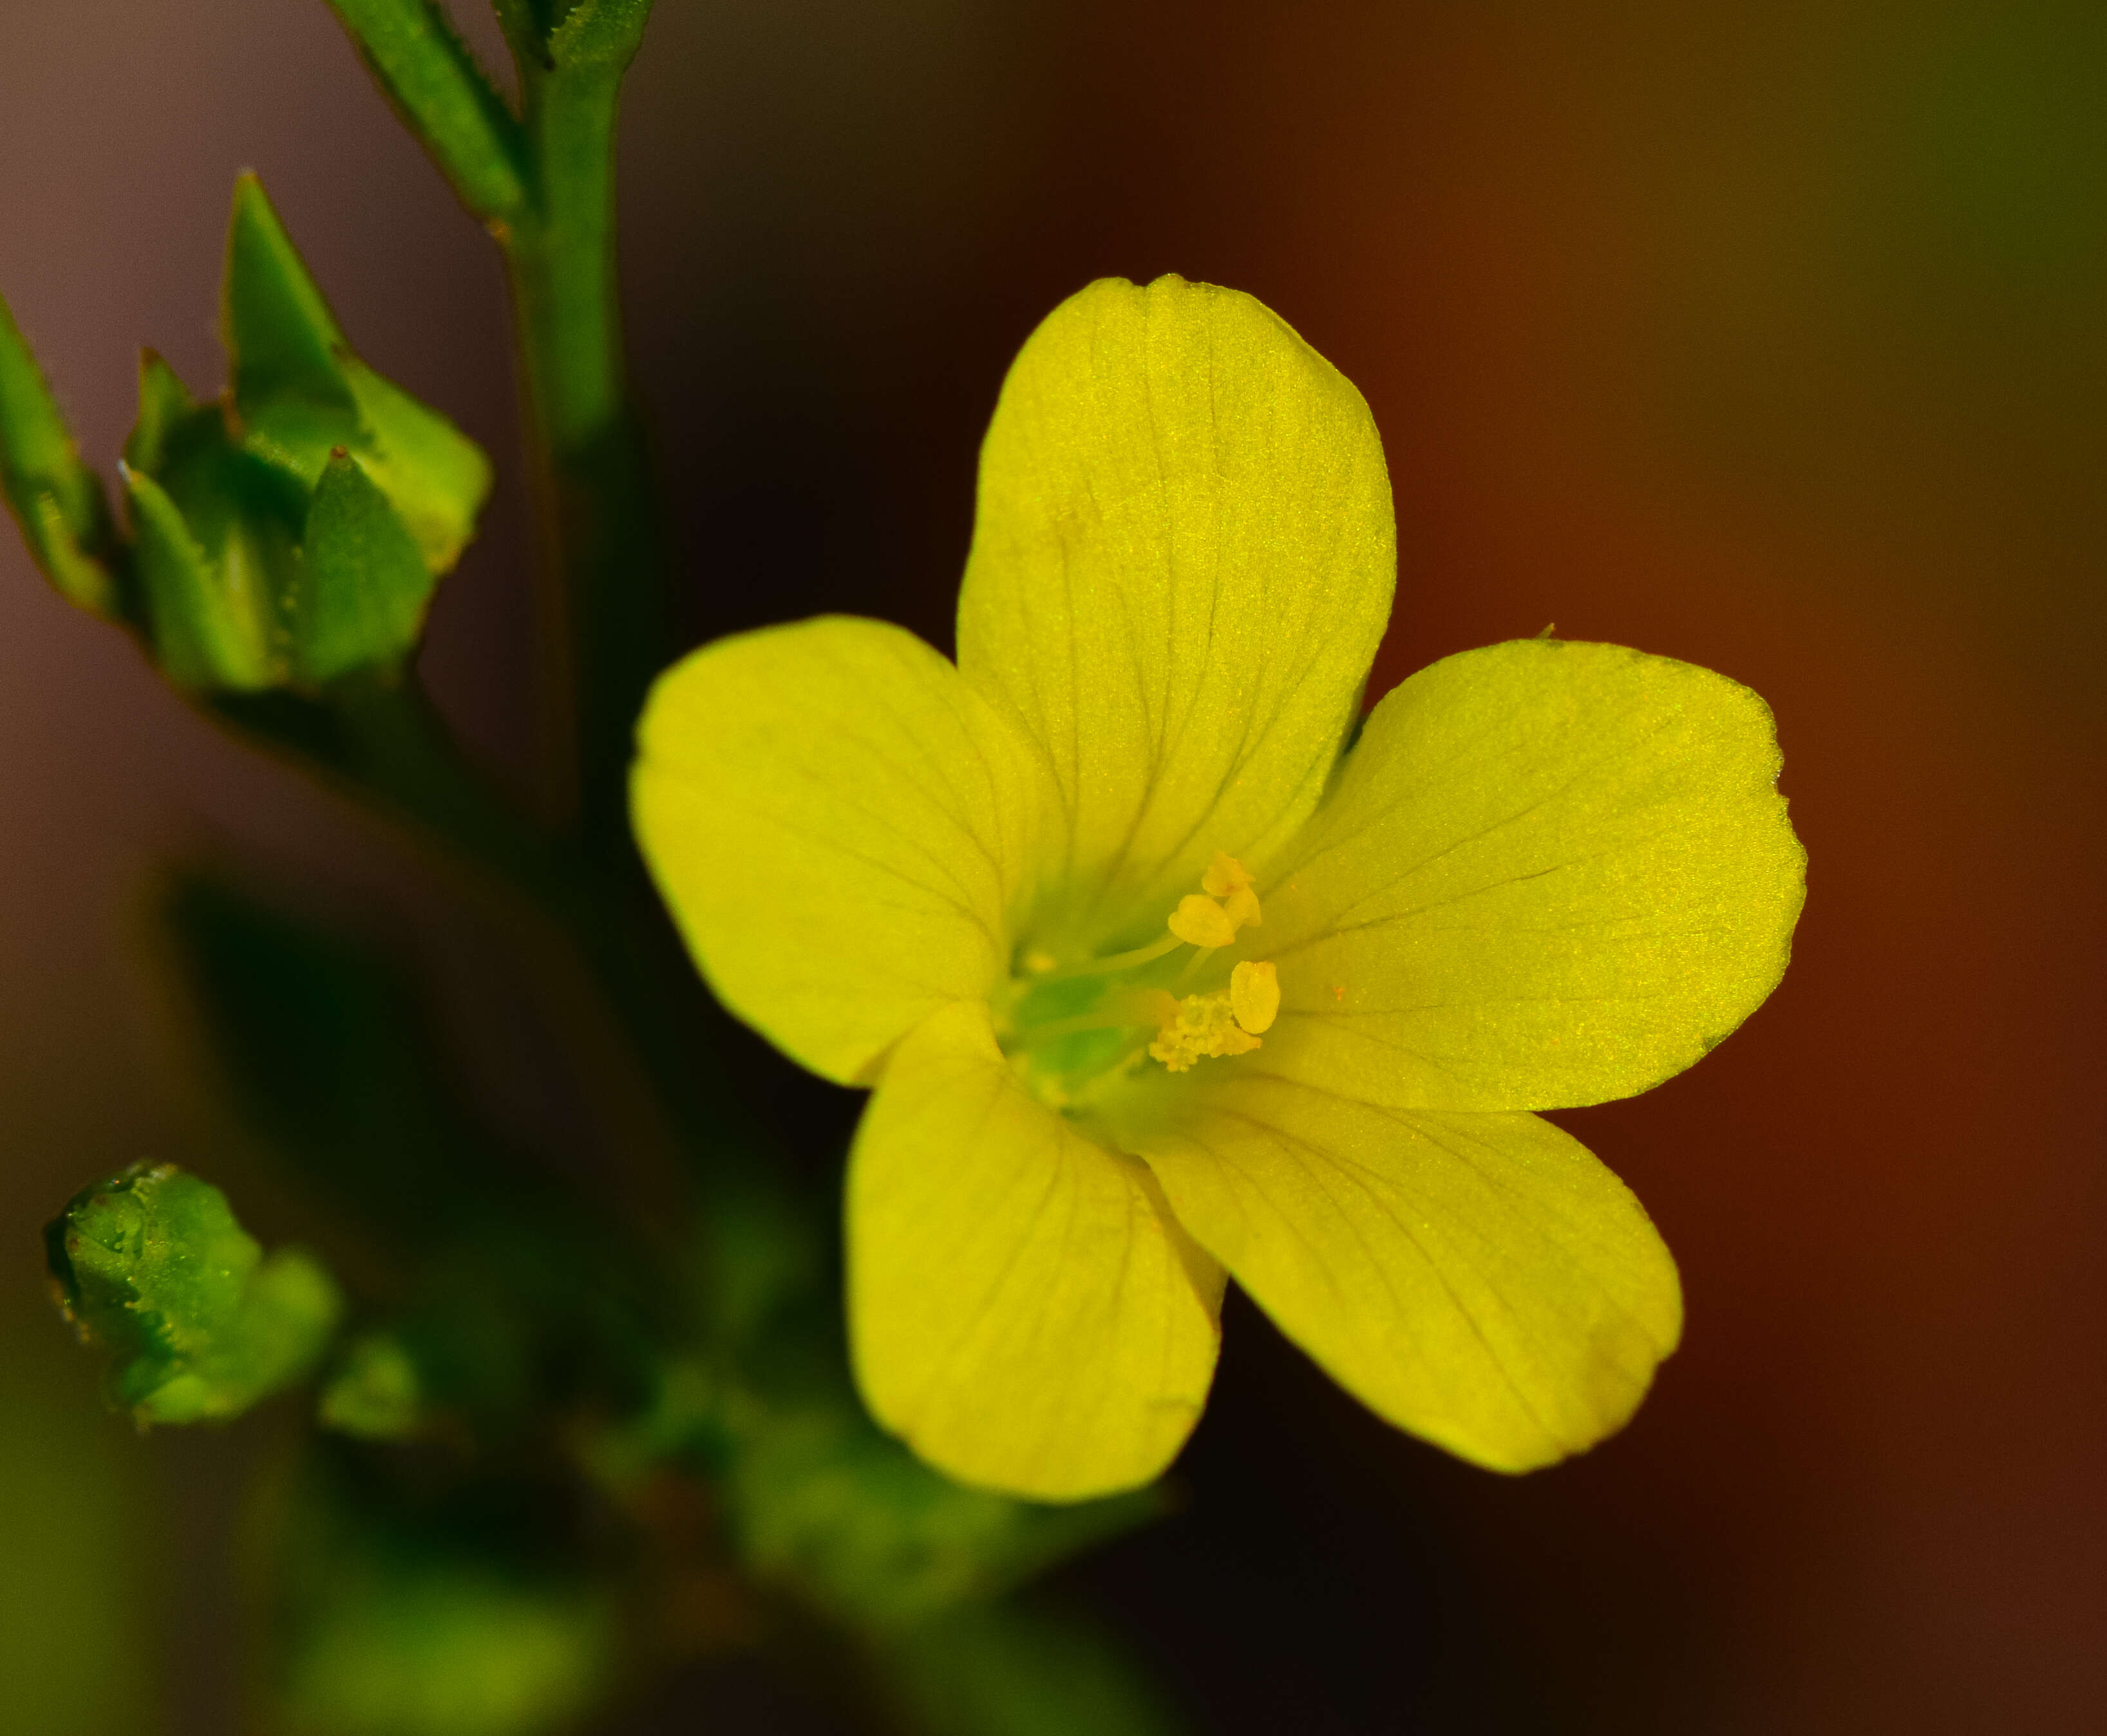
(1199, 1026)
(1255, 995)
(1201, 921)
(1229, 881)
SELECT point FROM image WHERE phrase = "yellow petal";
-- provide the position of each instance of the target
(1550, 874)
(1182, 564)
(843, 829)
(1023, 1311)
(1481, 1281)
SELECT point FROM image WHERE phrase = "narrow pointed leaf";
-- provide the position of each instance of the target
(57, 500)
(444, 97)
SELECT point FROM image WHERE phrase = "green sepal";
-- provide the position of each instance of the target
(210, 618)
(153, 1264)
(432, 474)
(365, 586)
(436, 85)
(282, 340)
(299, 393)
(169, 416)
(56, 499)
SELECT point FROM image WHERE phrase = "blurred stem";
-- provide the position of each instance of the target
(604, 605)
(379, 739)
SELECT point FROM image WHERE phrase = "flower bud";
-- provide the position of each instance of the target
(153, 1264)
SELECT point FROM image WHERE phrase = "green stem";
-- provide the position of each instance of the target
(545, 185)
(604, 606)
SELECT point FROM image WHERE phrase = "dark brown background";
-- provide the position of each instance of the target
(1767, 335)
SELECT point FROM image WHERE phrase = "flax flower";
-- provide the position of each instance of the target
(1157, 971)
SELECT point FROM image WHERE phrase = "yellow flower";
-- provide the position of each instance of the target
(1153, 977)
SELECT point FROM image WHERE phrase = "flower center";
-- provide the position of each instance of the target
(1071, 1025)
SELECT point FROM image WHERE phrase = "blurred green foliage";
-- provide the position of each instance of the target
(78, 1566)
(420, 1596)
(1016, 1670)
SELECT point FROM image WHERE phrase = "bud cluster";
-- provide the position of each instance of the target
(285, 534)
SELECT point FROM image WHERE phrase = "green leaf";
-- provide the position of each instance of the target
(444, 98)
(299, 393)
(210, 619)
(57, 500)
(153, 1264)
(365, 585)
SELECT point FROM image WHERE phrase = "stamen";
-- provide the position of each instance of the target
(1229, 881)
(1224, 875)
(1199, 921)
(1187, 1028)
(1255, 995)
(1202, 1025)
